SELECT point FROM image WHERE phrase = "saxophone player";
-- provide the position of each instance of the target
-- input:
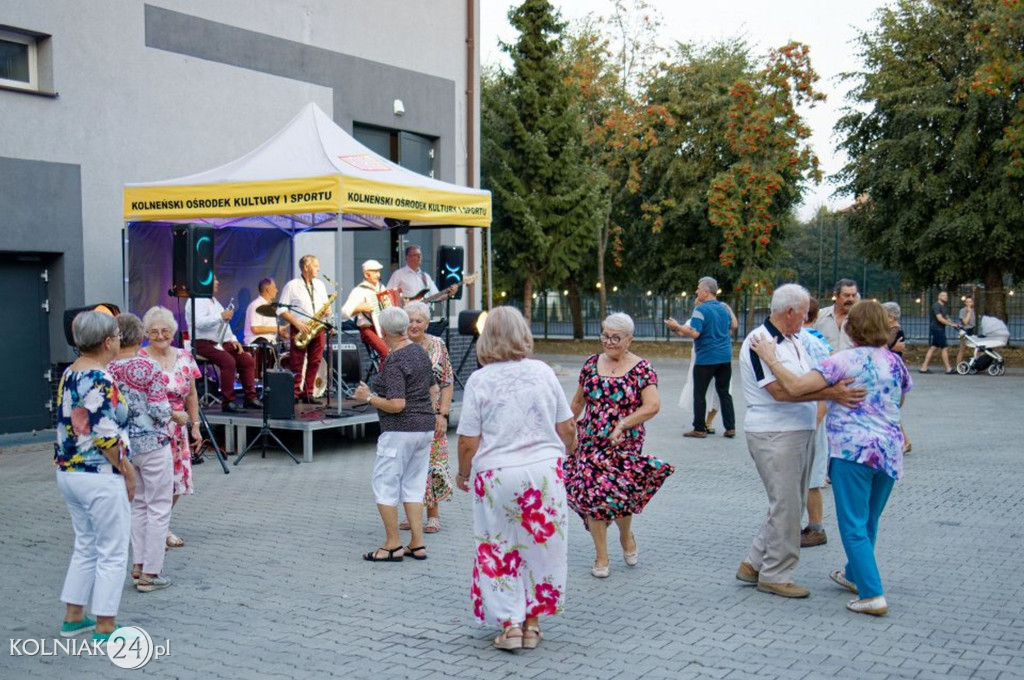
(306, 295)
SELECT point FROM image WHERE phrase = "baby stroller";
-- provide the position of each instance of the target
(992, 333)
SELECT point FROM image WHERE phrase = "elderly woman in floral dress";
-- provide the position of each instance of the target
(514, 430)
(181, 371)
(439, 484)
(610, 478)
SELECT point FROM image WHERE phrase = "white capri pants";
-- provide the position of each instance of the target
(819, 469)
(400, 471)
(101, 518)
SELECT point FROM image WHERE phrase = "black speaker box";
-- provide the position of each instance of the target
(278, 393)
(467, 321)
(450, 268)
(192, 260)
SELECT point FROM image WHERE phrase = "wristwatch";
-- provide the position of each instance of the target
(369, 398)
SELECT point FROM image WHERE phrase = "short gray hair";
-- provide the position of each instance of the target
(417, 307)
(790, 296)
(892, 309)
(131, 329)
(157, 315)
(90, 329)
(619, 321)
(394, 321)
(709, 284)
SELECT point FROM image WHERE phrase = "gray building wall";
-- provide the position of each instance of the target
(155, 91)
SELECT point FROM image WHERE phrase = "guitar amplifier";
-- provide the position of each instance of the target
(278, 392)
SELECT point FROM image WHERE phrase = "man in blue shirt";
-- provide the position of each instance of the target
(710, 327)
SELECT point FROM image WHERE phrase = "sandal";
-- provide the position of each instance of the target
(508, 642)
(136, 573)
(404, 525)
(432, 526)
(531, 641)
(392, 557)
(173, 541)
(411, 552)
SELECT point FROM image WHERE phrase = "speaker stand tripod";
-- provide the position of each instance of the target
(265, 432)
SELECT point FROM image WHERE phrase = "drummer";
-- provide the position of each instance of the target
(362, 304)
(260, 325)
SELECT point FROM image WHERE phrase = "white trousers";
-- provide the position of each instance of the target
(101, 518)
(151, 509)
(400, 471)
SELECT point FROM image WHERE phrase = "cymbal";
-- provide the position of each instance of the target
(268, 309)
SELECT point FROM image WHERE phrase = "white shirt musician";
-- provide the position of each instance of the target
(305, 296)
(411, 281)
(214, 341)
(260, 325)
(362, 305)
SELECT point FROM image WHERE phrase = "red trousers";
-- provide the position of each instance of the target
(370, 337)
(228, 363)
(315, 351)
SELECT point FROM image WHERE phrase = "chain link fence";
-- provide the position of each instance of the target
(552, 318)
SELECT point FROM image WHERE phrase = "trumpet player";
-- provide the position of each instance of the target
(362, 305)
(215, 342)
(304, 297)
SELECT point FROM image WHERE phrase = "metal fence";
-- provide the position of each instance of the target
(552, 318)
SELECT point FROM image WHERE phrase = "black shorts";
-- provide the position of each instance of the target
(939, 338)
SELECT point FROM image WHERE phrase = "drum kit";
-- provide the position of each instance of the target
(276, 355)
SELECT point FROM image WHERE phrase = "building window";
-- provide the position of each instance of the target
(18, 60)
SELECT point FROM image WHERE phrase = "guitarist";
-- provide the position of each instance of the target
(362, 303)
(413, 283)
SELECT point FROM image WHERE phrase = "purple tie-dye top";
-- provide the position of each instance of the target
(869, 434)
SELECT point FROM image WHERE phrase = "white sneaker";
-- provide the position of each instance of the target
(876, 606)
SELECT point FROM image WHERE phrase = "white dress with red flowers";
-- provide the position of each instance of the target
(520, 512)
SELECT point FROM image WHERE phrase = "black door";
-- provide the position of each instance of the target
(26, 344)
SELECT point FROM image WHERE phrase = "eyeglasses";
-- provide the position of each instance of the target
(157, 332)
(611, 339)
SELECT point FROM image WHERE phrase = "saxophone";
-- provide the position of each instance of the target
(302, 339)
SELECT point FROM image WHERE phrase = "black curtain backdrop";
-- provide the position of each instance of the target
(242, 257)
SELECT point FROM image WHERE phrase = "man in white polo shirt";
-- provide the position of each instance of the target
(780, 432)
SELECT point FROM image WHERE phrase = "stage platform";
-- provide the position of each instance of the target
(308, 419)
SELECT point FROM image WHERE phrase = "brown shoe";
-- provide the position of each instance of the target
(729, 433)
(747, 573)
(783, 589)
(812, 537)
(696, 434)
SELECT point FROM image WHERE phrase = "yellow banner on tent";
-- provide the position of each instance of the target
(417, 204)
(238, 199)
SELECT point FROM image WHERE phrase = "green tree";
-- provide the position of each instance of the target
(752, 200)
(672, 241)
(936, 198)
(998, 33)
(610, 60)
(546, 194)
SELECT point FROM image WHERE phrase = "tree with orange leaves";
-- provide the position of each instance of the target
(751, 199)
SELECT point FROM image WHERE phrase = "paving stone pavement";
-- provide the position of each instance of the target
(270, 583)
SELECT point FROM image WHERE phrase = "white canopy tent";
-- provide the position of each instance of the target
(310, 175)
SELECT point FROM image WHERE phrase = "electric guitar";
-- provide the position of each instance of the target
(423, 297)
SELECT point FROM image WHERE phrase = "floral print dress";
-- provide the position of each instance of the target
(180, 379)
(520, 522)
(439, 483)
(606, 481)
